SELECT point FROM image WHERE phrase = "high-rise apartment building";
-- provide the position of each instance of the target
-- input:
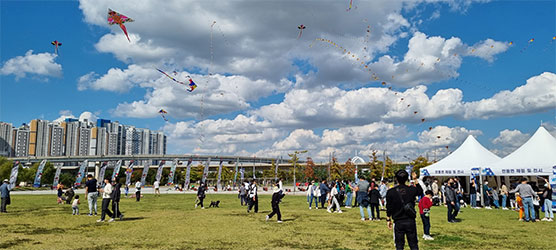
(6, 138)
(21, 141)
(39, 137)
(84, 142)
(56, 140)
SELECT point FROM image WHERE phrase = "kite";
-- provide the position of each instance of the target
(430, 128)
(350, 5)
(423, 120)
(438, 137)
(511, 43)
(383, 83)
(162, 112)
(301, 28)
(415, 112)
(192, 85)
(56, 45)
(117, 18)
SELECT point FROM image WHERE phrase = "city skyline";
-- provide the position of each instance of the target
(78, 137)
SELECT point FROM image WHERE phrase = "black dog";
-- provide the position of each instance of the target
(214, 203)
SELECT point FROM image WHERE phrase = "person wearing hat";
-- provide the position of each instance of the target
(5, 194)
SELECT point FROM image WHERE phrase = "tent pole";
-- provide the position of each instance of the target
(481, 186)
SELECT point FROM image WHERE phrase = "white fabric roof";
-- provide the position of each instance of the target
(471, 154)
(535, 157)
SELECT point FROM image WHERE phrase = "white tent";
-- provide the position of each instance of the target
(471, 154)
(536, 157)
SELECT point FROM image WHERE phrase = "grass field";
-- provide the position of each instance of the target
(171, 222)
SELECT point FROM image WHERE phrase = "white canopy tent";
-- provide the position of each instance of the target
(471, 154)
(536, 157)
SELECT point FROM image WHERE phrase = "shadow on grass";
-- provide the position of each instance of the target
(13, 243)
(132, 218)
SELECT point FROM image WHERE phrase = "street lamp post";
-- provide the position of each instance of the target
(294, 162)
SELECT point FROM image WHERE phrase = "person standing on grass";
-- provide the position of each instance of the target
(201, 195)
(312, 196)
(425, 205)
(547, 195)
(362, 197)
(495, 198)
(382, 189)
(254, 197)
(332, 201)
(473, 194)
(324, 190)
(374, 201)
(527, 195)
(116, 199)
(138, 185)
(106, 197)
(349, 194)
(91, 194)
(400, 207)
(317, 194)
(451, 200)
(75, 206)
(242, 193)
(275, 203)
(5, 195)
(156, 185)
(504, 193)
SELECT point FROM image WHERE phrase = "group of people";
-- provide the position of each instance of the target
(110, 193)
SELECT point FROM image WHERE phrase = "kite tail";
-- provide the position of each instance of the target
(300, 33)
(125, 31)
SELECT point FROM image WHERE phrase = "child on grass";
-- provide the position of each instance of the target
(519, 202)
(424, 209)
(75, 205)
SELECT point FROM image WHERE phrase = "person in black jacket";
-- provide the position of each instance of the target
(451, 200)
(275, 203)
(116, 193)
(201, 195)
(375, 202)
(400, 207)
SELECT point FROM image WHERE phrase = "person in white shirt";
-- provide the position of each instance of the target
(106, 197)
(253, 197)
(156, 185)
(138, 185)
(75, 205)
(333, 200)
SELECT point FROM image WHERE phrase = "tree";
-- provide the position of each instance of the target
(376, 167)
(418, 163)
(309, 170)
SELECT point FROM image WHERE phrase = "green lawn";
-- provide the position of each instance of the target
(171, 222)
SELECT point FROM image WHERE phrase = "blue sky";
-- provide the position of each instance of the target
(272, 68)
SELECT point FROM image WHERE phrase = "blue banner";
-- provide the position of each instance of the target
(128, 172)
(172, 172)
(57, 175)
(159, 171)
(100, 179)
(219, 174)
(145, 173)
(13, 175)
(37, 182)
(81, 173)
(187, 173)
(116, 170)
(553, 185)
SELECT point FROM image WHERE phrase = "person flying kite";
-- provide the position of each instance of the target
(117, 18)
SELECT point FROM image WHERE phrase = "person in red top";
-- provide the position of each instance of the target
(424, 209)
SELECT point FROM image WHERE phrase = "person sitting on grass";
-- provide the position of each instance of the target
(75, 206)
(425, 205)
(275, 203)
(374, 201)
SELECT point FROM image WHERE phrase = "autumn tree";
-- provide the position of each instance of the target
(309, 170)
